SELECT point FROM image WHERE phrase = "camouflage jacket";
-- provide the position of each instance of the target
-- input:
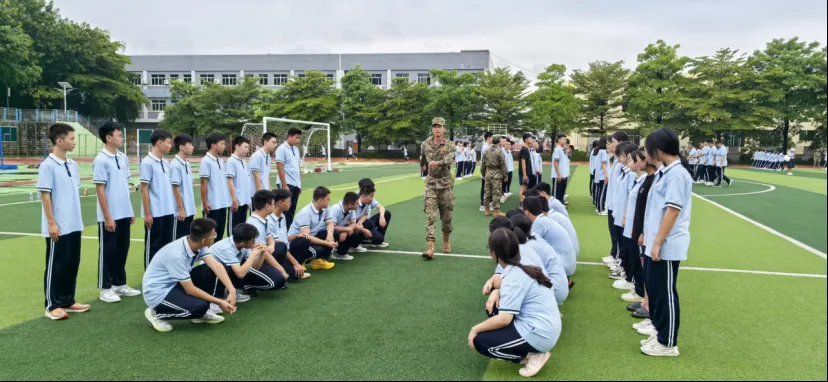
(493, 164)
(442, 152)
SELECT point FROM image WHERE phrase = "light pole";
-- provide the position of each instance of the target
(66, 89)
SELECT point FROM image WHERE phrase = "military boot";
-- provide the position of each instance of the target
(429, 252)
(446, 243)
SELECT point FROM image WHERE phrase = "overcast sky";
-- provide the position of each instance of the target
(528, 33)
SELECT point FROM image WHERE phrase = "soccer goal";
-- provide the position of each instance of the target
(315, 144)
(498, 129)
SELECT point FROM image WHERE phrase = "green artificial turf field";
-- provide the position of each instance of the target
(753, 302)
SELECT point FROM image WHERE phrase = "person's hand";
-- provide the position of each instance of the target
(207, 207)
(525, 178)
(299, 270)
(487, 289)
(493, 302)
(343, 236)
(655, 252)
(226, 306)
(424, 168)
(148, 221)
(332, 243)
(641, 240)
(383, 222)
(606, 181)
(285, 187)
(131, 222)
(368, 234)
(559, 178)
(109, 224)
(54, 231)
(235, 206)
(472, 336)
(285, 274)
(182, 214)
(258, 249)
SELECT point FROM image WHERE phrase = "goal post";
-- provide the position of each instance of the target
(315, 145)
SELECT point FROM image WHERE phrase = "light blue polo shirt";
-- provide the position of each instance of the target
(615, 173)
(339, 216)
(156, 172)
(672, 188)
(309, 217)
(113, 172)
(170, 266)
(557, 206)
(277, 226)
(290, 156)
(537, 318)
(238, 171)
(592, 162)
(711, 156)
(62, 180)
(528, 256)
(570, 230)
(632, 202)
(693, 154)
(721, 156)
(262, 225)
(215, 170)
(552, 267)
(260, 162)
(705, 153)
(226, 252)
(555, 235)
(365, 209)
(510, 162)
(182, 176)
(563, 163)
(458, 154)
(601, 159)
(622, 189)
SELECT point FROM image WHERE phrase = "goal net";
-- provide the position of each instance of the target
(314, 145)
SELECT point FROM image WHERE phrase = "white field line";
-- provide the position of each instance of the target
(771, 188)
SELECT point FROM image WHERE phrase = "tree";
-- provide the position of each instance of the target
(819, 114)
(553, 107)
(310, 98)
(18, 61)
(402, 116)
(655, 88)
(501, 95)
(601, 89)
(200, 110)
(790, 71)
(358, 98)
(455, 99)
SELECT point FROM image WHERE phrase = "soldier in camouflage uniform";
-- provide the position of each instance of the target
(439, 190)
(493, 169)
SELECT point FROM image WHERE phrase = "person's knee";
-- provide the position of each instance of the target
(200, 308)
(387, 215)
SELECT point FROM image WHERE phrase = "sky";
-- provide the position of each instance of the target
(524, 34)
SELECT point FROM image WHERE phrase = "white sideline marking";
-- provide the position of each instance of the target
(766, 228)
(771, 188)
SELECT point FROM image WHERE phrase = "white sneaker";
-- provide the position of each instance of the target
(109, 295)
(215, 310)
(126, 291)
(359, 249)
(608, 260)
(209, 318)
(617, 276)
(632, 297)
(649, 341)
(603, 213)
(656, 349)
(241, 297)
(159, 325)
(534, 364)
(482, 209)
(339, 257)
(384, 244)
(623, 285)
(648, 331)
(642, 324)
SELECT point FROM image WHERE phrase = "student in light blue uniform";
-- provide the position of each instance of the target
(181, 176)
(61, 225)
(260, 163)
(111, 176)
(667, 240)
(277, 226)
(545, 190)
(592, 169)
(612, 184)
(552, 265)
(238, 183)
(245, 261)
(693, 159)
(559, 218)
(347, 234)
(602, 174)
(636, 163)
(288, 157)
(721, 164)
(551, 232)
(157, 200)
(711, 162)
(527, 324)
(704, 177)
(215, 196)
(560, 169)
(377, 223)
(312, 233)
(176, 289)
(619, 201)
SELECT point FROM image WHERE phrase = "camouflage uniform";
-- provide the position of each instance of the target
(493, 169)
(439, 189)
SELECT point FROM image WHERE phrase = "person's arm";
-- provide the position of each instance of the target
(204, 200)
(498, 322)
(54, 230)
(557, 168)
(331, 240)
(182, 212)
(232, 187)
(382, 221)
(221, 274)
(145, 201)
(606, 173)
(270, 260)
(280, 168)
(270, 244)
(257, 178)
(255, 257)
(524, 168)
(109, 223)
(667, 224)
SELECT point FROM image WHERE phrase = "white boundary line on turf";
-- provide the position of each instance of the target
(767, 273)
(766, 228)
(771, 188)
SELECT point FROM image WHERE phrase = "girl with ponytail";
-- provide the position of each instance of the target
(526, 323)
(552, 265)
(527, 254)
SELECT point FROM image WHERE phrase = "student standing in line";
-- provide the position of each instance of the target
(693, 159)
(459, 160)
(506, 146)
(277, 226)
(538, 164)
(244, 261)
(721, 164)
(469, 162)
(405, 153)
(115, 216)
(182, 182)
(560, 168)
(612, 183)
(58, 182)
(487, 137)
(592, 169)
(473, 161)
(667, 238)
(215, 196)
(636, 162)
(545, 191)
(619, 200)
(239, 183)
(527, 324)
(552, 232)
(287, 164)
(176, 289)
(704, 177)
(157, 200)
(260, 163)
(601, 176)
(525, 170)
(312, 233)
(641, 310)
(712, 171)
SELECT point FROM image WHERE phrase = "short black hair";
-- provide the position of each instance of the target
(268, 136)
(320, 193)
(294, 131)
(533, 205)
(527, 136)
(240, 140)
(159, 135)
(621, 136)
(182, 140)
(108, 129)
(280, 194)
(571, 147)
(487, 134)
(244, 233)
(544, 187)
(367, 190)
(365, 182)
(516, 211)
(559, 136)
(214, 138)
(59, 130)
(261, 199)
(201, 228)
(594, 144)
(531, 192)
(350, 198)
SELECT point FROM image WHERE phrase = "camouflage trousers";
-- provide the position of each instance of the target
(442, 201)
(493, 190)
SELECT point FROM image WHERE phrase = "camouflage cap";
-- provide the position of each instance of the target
(438, 121)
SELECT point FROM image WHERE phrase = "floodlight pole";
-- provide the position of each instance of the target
(66, 89)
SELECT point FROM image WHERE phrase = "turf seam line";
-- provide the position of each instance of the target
(766, 228)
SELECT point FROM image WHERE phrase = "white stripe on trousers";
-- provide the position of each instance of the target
(671, 309)
(100, 255)
(147, 247)
(264, 277)
(175, 227)
(497, 350)
(169, 305)
(49, 273)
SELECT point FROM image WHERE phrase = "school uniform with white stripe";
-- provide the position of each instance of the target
(264, 278)
(218, 195)
(721, 165)
(315, 220)
(238, 171)
(290, 156)
(155, 172)
(615, 175)
(632, 251)
(623, 184)
(181, 177)
(259, 163)
(112, 171)
(510, 169)
(559, 188)
(600, 193)
(62, 181)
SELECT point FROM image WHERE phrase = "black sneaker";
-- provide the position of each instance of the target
(634, 306)
(571, 284)
(252, 292)
(641, 313)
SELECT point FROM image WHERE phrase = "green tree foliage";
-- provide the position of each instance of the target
(601, 90)
(553, 107)
(655, 88)
(455, 99)
(359, 98)
(401, 117)
(790, 75)
(200, 110)
(309, 98)
(502, 96)
(18, 61)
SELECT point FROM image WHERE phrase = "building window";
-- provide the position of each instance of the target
(188, 78)
(159, 104)
(403, 75)
(136, 78)
(173, 77)
(280, 79)
(376, 79)
(205, 78)
(301, 75)
(228, 79)
(263, 79)
(158, 79)
(424, 78)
